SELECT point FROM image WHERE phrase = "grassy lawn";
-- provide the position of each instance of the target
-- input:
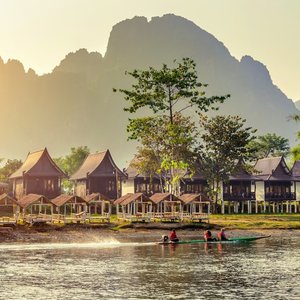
(257, 221)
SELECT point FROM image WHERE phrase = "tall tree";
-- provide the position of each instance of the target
(269, 144)
(167, 93)
(224, 141)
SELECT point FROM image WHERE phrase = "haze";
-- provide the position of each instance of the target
(41, 33)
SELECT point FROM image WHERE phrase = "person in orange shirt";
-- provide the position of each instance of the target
(221, 235)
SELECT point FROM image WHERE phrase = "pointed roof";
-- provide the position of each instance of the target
(296, 169)
(96, 197)
(240, 173)
(188, 198)
(128, 198)
(273, 168)
(158, 197)
(31, 199)
(93, 165)
(5, 198)
(30, 166)
(64, 198)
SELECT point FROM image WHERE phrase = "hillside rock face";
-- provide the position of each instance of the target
(74, 104)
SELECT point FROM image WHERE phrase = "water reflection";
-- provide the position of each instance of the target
(266, 269)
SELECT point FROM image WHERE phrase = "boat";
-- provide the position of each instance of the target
(230, 240)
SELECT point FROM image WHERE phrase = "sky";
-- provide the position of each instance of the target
(40, 33)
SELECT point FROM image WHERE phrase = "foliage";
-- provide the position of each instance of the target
(295, 151)
(9, 168)
(71, 163)
(166, 136)
(169, 90)
(269, 144)
(168, 149)
(224, 141)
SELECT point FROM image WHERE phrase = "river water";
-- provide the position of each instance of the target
(110, 269)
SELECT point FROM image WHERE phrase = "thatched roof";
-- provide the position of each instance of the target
(98, 165)
(33, 199)
(38, 163)
(241, 174)
(64, 198)
(188, 198)
(96, 197)
(158, 197)
(296, 169)
(7, 200)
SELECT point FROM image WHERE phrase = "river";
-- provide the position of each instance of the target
(110, 269)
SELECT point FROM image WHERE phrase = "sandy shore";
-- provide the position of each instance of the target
(88, 234)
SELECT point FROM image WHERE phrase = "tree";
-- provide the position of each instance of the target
(224, 142)
(166, 151)
(9, 168)
(269, 144)
(166, 93)
(71, 163)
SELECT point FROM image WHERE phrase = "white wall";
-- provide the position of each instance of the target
(298, 191)
(260, 191)
(127, 186)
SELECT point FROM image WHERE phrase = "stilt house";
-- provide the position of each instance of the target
(98, 174)
(38, 175)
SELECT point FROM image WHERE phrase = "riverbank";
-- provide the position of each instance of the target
(236, 225)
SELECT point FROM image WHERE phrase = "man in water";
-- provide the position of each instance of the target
(173, 236)
(208, 236)
(221, 235)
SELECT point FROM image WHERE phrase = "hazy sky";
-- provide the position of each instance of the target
(41, 32)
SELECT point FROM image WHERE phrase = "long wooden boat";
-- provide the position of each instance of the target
(230, 240)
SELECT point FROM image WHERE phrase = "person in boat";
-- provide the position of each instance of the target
(208, 236)
(221, 235)
(173, 236)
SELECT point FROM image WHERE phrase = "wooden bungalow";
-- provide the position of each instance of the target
(134, 207)
(276, 190)
(9, 210)
(140, 183)
(196, 207)
(36, 208)
(98, 174)
(239, 191)
(99, 207)
(167, 207)
(38, 175)
(69, 208)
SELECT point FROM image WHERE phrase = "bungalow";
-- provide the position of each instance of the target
(276, 188)
(9, 210)
(239, 190)
(38, 175)
(99, 207)
(98, 174)
(295, 171)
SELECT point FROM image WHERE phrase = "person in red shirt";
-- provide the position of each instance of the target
(173, 236)
(221, 235)
(208, 236)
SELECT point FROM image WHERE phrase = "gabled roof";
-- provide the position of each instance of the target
(30, 166)
(296, 169)
(64, 198)
(128, 198)
(240, 173)
(96, 196)
(188, 198)
(273, 168)
(4, 198)
(92, 166)
(31, 199)
(158, 197)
